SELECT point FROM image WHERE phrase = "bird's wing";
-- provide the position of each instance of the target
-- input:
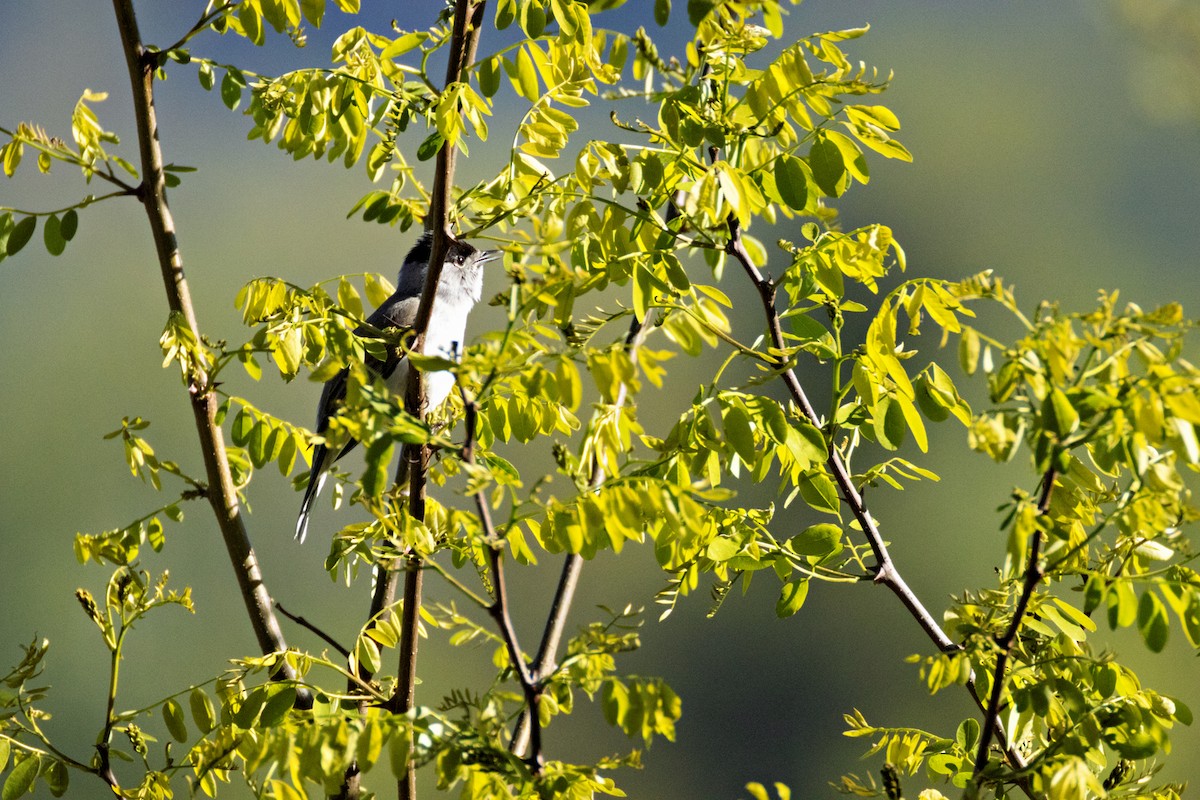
(393, 313)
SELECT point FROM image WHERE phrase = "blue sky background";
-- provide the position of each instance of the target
(1044, 148)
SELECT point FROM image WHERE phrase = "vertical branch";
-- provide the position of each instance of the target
(221, 493)
(464, 40)
(1034, 572)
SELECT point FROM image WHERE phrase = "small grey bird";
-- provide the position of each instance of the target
(458, 291)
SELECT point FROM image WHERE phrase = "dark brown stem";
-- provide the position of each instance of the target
(304, 623)
(532, 689)
(1034, 572)
(498, 610)
(464, 39)
(222, 494)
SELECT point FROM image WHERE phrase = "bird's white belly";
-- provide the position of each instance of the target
(444, 341)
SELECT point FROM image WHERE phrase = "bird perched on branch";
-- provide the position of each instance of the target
(458, 291)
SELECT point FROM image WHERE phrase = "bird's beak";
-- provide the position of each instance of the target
(490, 255)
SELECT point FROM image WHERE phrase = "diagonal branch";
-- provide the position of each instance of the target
(886, 572)
(221, 493)
(498, 609)
(1034, 572)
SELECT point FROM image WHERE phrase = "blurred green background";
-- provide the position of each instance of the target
(1056, 143)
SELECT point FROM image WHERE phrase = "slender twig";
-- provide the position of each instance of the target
(202, 23)
(304, 623)
(222, 493)
(84, 203)
(1034, 573)
(885, 570)
(104, 767)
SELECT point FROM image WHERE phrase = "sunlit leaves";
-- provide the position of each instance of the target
(643, 707)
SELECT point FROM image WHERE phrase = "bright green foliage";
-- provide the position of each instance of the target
(621, 253)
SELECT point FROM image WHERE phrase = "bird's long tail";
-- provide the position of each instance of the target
(316, 479)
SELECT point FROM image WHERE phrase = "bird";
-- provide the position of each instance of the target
(459, 289)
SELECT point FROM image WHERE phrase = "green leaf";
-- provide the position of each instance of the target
(488, 73)
(662, 12)
(828, 168)
(206, 75)
(1058, 415)
(807, 443)
(792, 182)
(526, 79)
(698, 10)
(202, 710)
(932, 404)
(379, 456)
(243, 425)
(888, 423)
(791, 598)
(21, 233)
(506, 12)
(57, 777)
(172, 713)
(4, 752)
(819, 540)
(1122, 605)
(819, 491)
(739, 434)
(69, 225)
(722, 548)
(277, 708)
(231, 90)
(52, 236)
(1152, 621)
(967, 734)
(969, 347)
(429, 148)
(21, 779)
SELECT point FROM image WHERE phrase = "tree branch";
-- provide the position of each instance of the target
(885, 569)
(498, 608)
(304, 623)
(546, 660)
(222, 494)
(464, 39)
(1034, 573)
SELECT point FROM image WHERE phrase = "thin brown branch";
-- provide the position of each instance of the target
(222, 494)
(531, 689)
(1034, 572)
(464, 39)
(498, 608)
(886, 572)
(304, 623)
